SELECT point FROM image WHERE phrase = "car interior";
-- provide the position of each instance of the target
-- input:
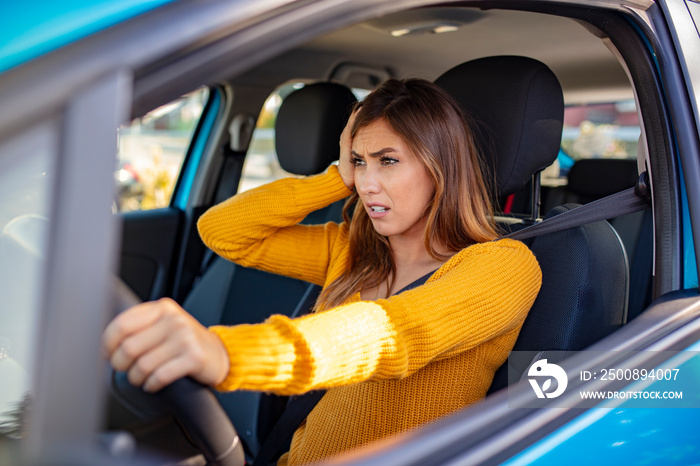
(516, 73)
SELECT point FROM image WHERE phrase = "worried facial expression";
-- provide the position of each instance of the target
(392, 183)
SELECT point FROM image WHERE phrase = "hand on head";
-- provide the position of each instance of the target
(158, 342)
(345, 166)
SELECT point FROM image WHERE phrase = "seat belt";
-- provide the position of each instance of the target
(625, 202)
(298, 408)
(622, 203)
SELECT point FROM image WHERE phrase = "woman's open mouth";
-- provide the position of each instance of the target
(377, 210)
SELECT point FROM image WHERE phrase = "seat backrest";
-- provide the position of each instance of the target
(518, 109)
(593, 179)
(307, 131)
(583, 296)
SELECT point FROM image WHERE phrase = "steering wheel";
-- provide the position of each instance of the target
(193, 405)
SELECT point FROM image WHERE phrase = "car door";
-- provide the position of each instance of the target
(159, 154)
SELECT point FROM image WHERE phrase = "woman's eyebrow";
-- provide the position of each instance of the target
(378, 153)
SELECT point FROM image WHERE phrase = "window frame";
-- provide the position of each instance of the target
(81, 250)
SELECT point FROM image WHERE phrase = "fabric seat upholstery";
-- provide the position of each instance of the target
(517, 105)
(593, 179)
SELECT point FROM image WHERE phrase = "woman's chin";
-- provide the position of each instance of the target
(382, 229)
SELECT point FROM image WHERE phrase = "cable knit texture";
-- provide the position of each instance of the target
(389, 365)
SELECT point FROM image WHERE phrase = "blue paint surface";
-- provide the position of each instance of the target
(690, 266)
(31, 29)
(619, 433)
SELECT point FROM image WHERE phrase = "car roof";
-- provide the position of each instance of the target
(568, 47)
(29, 31)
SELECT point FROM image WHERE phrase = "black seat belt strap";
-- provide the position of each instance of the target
(615, 205)
(294, 414)
(306, 303)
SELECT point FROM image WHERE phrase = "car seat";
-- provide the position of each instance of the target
(517, 107)
(593, 179)
(307, 131)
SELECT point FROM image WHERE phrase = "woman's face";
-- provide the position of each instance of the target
(391, 182)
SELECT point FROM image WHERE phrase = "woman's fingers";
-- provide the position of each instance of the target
(194, 352)
(147, 370)
(159, 342)
(127, 323)
(165, 374)
(134, 346)
(345, 166)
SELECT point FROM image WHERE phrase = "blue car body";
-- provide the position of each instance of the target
(30, 33)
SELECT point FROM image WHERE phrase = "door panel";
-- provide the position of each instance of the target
(148, 247)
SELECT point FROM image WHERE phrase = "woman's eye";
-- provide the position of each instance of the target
(388, 161)
(357, 161)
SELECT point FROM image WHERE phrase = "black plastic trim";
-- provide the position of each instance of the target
(684, 120)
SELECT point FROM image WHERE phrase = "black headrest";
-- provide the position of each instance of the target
(309, 123)
(597, 178)
(518, 107)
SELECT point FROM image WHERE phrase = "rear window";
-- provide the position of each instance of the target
(607, 130)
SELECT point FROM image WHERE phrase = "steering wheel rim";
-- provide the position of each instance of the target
(191, 403)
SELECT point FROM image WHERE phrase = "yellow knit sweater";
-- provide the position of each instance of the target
(388, 365)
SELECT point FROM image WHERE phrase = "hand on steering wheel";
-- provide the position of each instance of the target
(191, 403)
(157, 343)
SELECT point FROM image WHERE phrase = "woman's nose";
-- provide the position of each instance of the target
(367, 181)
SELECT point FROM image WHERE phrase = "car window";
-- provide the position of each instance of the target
(261, 163)
(26, 167)
(152, 150)
(604, 130)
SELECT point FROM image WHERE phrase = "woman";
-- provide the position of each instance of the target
(390, 358)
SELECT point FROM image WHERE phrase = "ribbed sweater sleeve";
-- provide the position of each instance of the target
(482, 292)
(258, 228)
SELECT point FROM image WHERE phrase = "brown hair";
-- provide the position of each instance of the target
(436, 131)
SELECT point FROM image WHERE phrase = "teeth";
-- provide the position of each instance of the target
(378, 209)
